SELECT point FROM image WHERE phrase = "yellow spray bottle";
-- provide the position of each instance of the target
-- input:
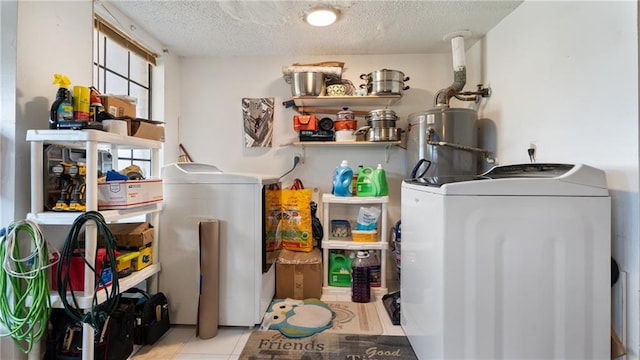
(62, 108)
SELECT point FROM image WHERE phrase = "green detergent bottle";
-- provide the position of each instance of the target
(365, 186)
(339, 270)
(380, 180)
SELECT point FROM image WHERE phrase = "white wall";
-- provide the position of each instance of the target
(8, 28)
(565, 78)
(53, 37)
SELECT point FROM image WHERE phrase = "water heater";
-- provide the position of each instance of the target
(446, 138)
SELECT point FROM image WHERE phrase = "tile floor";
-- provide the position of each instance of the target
(180, 343)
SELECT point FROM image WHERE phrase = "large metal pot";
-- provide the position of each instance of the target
(385, 87)
(384, 75)
(307, 84)
(384, 134)
(380, 114)
(391, 123)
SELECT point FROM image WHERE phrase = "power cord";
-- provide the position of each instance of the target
(72, 246)
(296, 160)
(23, 279)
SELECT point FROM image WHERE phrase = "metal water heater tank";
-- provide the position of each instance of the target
(440, 136)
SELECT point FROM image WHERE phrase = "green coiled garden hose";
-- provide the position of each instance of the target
(25, 304)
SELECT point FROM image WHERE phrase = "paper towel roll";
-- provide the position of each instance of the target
(208, 303)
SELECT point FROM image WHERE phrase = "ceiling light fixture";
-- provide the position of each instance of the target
(321, 16)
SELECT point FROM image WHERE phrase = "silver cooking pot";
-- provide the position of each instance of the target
(385, 87)
(384, 134)
(379, 114)
(384, 118)
(307, 84)
(384, 75)
(382, 123)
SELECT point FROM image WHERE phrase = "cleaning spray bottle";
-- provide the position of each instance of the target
(342, 179)
(62, 108)
(380, 180)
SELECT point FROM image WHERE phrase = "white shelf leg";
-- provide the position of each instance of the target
(37, 178)
(87, 342)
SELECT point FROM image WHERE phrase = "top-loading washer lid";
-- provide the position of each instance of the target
(528, 171)
(522, 179)
(198, 173)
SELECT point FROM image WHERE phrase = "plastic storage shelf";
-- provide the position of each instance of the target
(352, 204)
(90, 140)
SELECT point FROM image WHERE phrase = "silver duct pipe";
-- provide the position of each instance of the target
(459, 73)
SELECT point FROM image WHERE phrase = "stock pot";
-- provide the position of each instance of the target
(385, 75)
(385, 82)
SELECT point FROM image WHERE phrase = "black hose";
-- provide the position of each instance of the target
(98, 312)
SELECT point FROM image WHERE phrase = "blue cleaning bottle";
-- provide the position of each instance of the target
(342, 179)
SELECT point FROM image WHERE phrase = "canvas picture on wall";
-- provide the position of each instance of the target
(257, 115)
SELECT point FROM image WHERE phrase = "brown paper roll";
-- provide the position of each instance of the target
(207, 325)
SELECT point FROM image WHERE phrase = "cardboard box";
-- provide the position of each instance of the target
(130, 235)
(129, 194)
(118, 106)
(146, 129)
(299, 275)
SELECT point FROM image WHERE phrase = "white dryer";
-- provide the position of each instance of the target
(511, 264)
(195, 192)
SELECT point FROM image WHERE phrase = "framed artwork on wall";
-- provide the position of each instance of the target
(257, 115)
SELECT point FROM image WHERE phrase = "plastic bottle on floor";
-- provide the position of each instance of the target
(361, 278)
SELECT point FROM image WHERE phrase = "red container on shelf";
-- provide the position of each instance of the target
(77, 268)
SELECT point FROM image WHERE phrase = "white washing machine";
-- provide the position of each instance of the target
(195, 192)
(511, 264)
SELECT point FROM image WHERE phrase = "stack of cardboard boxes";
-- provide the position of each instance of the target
(125, 110)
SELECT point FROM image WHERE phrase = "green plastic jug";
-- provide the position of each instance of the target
(339, 270)
(380, 181)
(365, 186)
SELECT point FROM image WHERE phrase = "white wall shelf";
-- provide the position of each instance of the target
(387, 145)
(346, 101)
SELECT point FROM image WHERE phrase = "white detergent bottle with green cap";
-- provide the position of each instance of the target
(380, 181)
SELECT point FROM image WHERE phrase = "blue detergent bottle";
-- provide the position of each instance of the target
(342, 179)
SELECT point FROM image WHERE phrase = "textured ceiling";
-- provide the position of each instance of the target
(274, 27)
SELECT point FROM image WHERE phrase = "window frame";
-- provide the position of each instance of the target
(107, 35)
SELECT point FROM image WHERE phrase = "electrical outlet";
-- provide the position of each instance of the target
(532, 152)
(300, 158)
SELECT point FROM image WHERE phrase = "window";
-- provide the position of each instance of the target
(123, 67)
